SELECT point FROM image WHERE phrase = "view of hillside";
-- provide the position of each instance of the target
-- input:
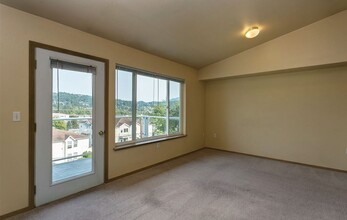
(123, 108)
(148, 108)
(75, 104)
(72, 104)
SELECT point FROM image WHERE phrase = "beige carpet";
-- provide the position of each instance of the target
(210, 184)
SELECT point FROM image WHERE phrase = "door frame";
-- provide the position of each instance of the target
(32, 102)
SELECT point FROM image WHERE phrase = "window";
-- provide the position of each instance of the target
(147, 104)
(69, 144)
(75, 144)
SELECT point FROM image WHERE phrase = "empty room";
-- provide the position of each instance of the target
(172, 109)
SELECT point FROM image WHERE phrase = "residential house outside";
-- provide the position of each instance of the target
(85, 127)
(68, 144)
(124, 126)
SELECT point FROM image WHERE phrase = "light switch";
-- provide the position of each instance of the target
(16, 116)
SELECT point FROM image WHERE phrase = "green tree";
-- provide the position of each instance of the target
(174, 109)
(174, 112)
(61, 125)
(87, 154)
(159, 123)
(72, 124)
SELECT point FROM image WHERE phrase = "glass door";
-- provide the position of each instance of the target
(72, 122)
(69, 117)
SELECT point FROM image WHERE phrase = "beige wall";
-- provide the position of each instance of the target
(16, 29)
(321, 43)
(298, 116)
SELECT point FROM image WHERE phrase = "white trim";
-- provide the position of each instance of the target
(45, 190)
(135, 72)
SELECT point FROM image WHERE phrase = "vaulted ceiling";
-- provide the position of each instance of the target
(191, 32)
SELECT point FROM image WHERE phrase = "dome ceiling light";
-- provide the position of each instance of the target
(252, 32)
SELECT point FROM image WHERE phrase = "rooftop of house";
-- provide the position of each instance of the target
(61, 135)
(121, 121)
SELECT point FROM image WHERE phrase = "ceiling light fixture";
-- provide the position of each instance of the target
(252, 32)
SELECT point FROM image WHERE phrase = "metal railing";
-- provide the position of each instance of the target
(66, 158)
(117, 116)
(74, 118)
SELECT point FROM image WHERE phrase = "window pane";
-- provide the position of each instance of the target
(124, 93)
(151, 115)
(72, 104)
(175, 107)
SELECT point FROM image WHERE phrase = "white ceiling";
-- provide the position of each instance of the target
(191, 32)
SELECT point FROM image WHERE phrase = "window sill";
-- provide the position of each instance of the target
(131, 145)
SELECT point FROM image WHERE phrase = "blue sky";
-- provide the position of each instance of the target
(73, 82)
(148, 89)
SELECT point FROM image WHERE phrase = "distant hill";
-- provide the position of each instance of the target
(73, 104)
(82, 104)
(69, 99)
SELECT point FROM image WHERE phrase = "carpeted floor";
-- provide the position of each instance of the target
(210, 184)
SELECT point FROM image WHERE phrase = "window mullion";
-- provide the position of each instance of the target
(167, 106)
(134, 107)
(171, 118)
(182, 101)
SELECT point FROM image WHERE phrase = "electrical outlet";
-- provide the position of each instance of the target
(346, 150)
(214, 135)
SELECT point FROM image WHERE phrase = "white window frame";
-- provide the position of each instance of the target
(135, 73)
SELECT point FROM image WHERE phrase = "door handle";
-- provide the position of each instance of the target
(101, 133)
